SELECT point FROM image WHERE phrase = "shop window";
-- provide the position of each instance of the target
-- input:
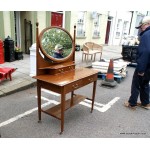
(81, 24)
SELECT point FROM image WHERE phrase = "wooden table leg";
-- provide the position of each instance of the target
(72, 94)
(62, 111)
(93, 95)
(39, 100)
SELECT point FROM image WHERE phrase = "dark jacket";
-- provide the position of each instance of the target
(57, 55)
(143, 52)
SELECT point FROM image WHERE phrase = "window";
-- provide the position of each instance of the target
(96, 27)
(118, 31)
(81, 24)
(125, 27)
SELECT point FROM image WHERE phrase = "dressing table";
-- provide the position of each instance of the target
(60, 75)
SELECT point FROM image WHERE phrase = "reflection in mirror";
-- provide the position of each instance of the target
(56, 43)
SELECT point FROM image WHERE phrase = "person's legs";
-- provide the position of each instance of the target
(135, 89)
(144, 92)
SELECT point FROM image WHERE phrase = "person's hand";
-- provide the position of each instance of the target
(141, 74)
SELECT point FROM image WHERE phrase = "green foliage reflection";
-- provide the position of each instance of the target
(56, 36)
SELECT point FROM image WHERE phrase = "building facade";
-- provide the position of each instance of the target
(21, 25)
(101, 27)
(123, 24)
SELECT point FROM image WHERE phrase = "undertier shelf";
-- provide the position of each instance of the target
(56, 110)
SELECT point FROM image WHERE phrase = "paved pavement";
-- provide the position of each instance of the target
(21, 78)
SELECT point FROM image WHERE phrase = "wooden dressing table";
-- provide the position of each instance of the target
(61, 76)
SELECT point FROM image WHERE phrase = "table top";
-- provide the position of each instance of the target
(67, 77)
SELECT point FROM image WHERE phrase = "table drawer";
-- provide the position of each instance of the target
(80, 83)
(62, 70)
(89, 79)
(73, 86)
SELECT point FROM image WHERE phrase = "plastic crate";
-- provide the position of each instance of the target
(129, 53)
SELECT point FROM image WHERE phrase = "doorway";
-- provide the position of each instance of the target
(107, 31)
(57, 19)
(28, 35)
(23, 30)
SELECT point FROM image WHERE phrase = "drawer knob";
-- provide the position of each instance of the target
(90, 79)
(75, 86)
(61, 70)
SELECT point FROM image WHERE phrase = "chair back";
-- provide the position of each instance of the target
(89, 45)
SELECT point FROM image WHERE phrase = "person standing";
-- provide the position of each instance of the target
(58, 51)
(141, 76)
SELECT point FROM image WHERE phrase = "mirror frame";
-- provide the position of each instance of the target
(51, 57)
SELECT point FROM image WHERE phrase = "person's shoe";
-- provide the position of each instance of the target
(127, 104)
(144, 106)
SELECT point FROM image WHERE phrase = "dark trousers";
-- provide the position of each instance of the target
(140, 85)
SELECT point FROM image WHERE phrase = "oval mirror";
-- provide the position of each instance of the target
(56, 44)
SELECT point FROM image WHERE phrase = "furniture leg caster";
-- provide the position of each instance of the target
(61, 132)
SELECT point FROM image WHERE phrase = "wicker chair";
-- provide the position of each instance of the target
(90, 48)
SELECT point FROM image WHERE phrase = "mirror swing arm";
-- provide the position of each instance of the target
(60, 75)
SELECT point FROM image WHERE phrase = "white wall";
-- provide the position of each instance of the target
(41, 18)
(123, 16)
(89, 27)
(7, 26)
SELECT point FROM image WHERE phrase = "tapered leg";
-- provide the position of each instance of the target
(72, 93)
(93, 95)
(62, 111)
(39, 100)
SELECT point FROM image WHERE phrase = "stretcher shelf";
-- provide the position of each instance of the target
(56, 110)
